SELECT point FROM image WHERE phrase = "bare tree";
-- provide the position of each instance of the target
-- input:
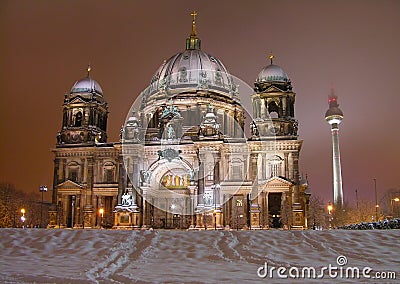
(388, 204)
(286, 215)
(361, 213)
(316, 213)
(11, 203)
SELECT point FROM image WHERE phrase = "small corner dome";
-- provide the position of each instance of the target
(87, 85)
(272, 73)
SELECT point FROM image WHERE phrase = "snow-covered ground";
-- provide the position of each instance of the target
(112, 256)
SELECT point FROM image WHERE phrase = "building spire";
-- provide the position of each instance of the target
(193, 14)
(193, 42)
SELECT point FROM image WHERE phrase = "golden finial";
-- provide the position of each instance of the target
(271, 57)
(88, 70)
(193, 14)
(193, 42)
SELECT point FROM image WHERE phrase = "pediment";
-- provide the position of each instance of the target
(68, 184)
(278, 182)
(77, 99)
(272, 89)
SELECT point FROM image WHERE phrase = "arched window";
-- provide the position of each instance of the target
(273, 110)
(275, 166)
(73, 171)
(109, 172)
(78, 119)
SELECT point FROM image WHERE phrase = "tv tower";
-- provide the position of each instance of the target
(334, 116)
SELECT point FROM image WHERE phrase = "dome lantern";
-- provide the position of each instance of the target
(193, 41)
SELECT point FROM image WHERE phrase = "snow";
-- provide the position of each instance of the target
(117, 256)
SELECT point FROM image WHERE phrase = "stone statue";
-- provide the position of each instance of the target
(145, 176)
(127, 199)
(170, 132)
(191, 175)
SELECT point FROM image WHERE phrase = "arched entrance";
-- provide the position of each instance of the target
(169, 195)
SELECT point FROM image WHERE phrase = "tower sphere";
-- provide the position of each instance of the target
(334, 114)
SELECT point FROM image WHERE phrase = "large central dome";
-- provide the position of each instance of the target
(192, 69)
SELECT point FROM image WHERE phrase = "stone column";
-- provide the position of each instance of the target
(266, 211)
(65, 206)
(122, 179)
(55, 180)
(286, 162)
(263, 109)
(296, 176)
(226, 123)
(201, 177)
(200, 192)
(284, 106)
(135, 176)
(290, 166)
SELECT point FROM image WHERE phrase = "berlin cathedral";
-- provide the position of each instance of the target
(190, 156)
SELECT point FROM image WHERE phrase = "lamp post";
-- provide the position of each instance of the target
(23, 217)
(101, 211)
(376, 202)
(396, 199)
(330, 208)
(249, 210)
(215, 219)
(42, 189)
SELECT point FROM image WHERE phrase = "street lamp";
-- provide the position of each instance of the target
(42, 189)
(215, 219)
(376, 202)
(330, 208)
(23, 217)
(396, 199)
(237, 223)
(101, 211)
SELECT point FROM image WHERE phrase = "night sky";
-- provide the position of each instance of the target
(45, 46)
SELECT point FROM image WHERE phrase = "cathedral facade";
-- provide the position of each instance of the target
(190, 156)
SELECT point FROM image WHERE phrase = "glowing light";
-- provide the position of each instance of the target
(330, 208)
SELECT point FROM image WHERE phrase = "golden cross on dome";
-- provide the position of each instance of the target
(271, 57)
(88, 70)
(193, 14)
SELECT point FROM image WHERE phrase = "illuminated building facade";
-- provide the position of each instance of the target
(184, 159)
